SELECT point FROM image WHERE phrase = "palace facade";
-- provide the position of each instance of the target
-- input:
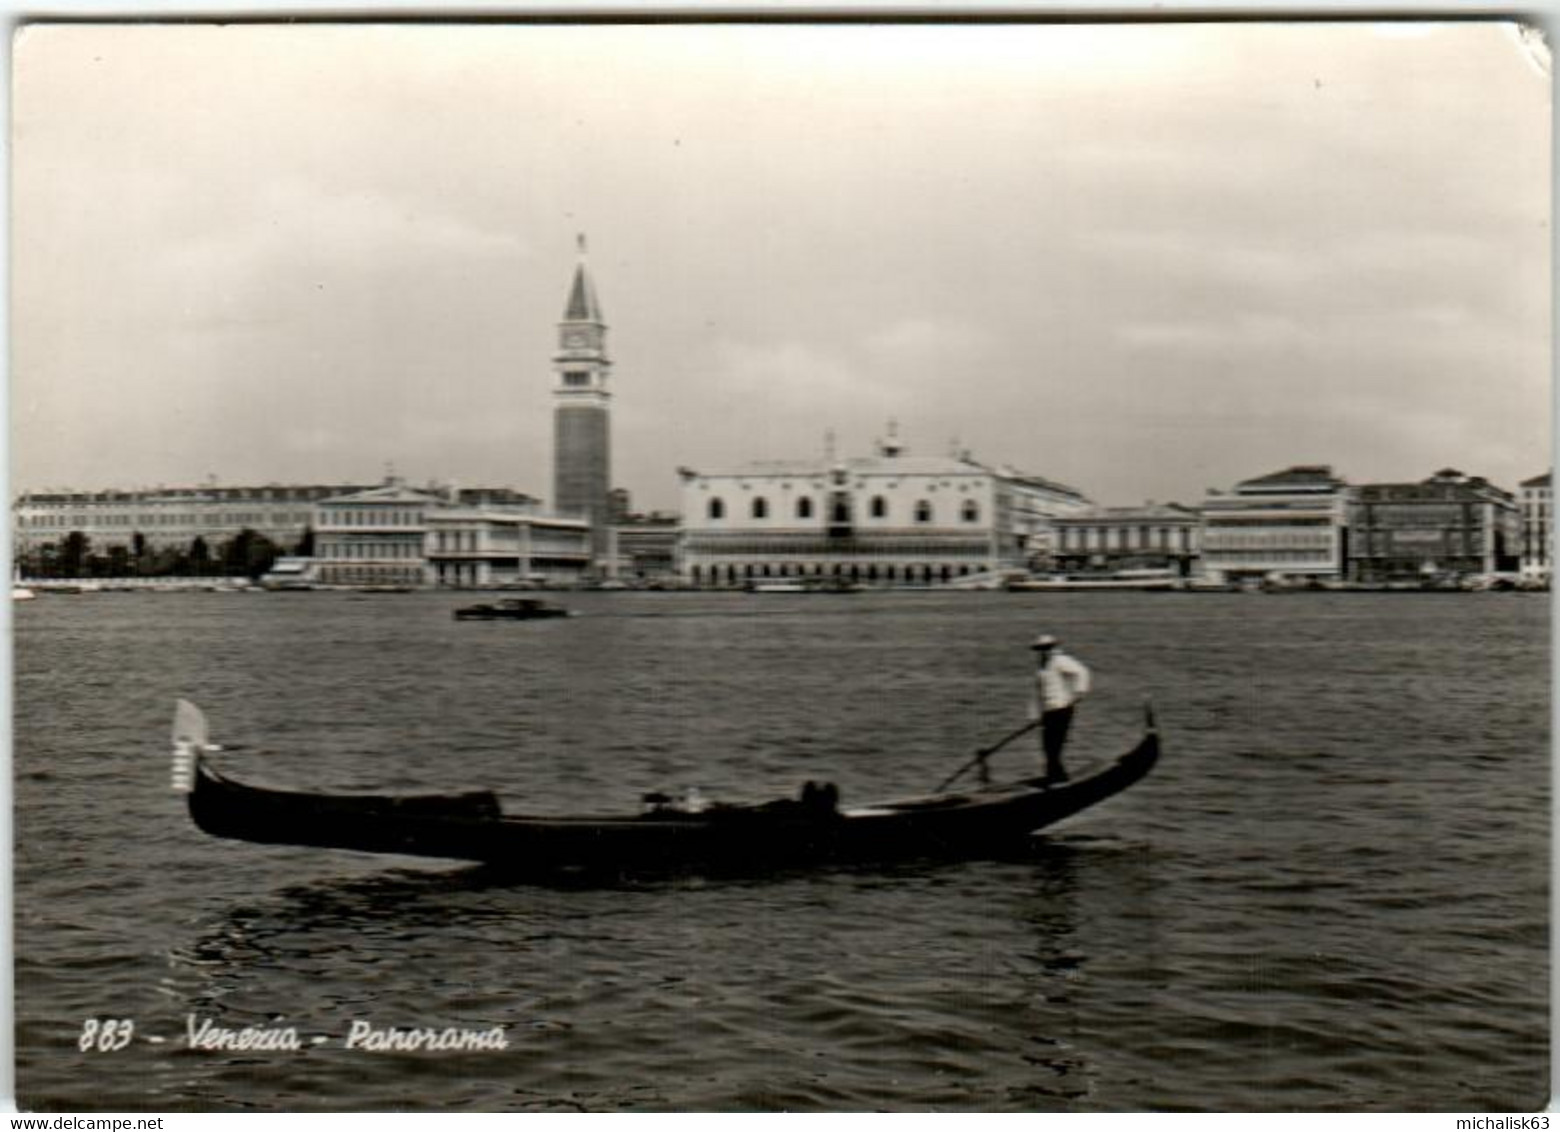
(887, 519)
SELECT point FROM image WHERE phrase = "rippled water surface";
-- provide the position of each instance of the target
(1331, 894)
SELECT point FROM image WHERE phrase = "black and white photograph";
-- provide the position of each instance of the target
(855, 566)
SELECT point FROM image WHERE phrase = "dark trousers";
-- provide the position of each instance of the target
(1053, 737)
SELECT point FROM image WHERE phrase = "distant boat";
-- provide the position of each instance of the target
(22, 593)
(1125, 580)
(511, 609)
(805, 586)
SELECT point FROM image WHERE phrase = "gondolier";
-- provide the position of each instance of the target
(1060, 682)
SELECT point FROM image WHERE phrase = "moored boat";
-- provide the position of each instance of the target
(472, 826)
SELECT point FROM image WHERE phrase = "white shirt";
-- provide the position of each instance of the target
(1061, 683)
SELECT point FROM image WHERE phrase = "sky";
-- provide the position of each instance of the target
(1142, 260)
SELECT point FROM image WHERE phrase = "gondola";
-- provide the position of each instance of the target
(988, 820)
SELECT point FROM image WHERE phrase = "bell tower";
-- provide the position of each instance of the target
(582, 448)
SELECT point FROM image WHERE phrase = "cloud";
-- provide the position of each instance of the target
(1238, 332)
(925, 338)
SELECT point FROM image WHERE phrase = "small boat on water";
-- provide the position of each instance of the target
(805, 586)
(787, 832)
(511, 609)
(1125, 580)
(22, 593)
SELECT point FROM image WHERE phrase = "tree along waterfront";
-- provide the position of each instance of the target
(247, 554)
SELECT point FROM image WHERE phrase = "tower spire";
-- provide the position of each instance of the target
(582, 306)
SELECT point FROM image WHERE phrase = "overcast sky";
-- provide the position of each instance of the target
(1142, 260)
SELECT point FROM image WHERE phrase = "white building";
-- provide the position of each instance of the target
(1538, 531)
(1288, 524)
(886, 519)
(496, 545)
(374, 537)
(399, 535)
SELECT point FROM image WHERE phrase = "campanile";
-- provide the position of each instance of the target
(582, 443)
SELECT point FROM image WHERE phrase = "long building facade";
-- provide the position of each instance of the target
(166, 517)
(886, 519)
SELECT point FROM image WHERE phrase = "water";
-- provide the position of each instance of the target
(1331, 894)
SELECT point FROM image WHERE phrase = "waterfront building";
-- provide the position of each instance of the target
(582, 442)
(1538, 532)
(374, 537)
(1291, 524)
(890, 518)
(646, 547)
(1155, 536)
(169, 516)
(478, 536)
(1029, 507)
(496, 545)
(1448, 526)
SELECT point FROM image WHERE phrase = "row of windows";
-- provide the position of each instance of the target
(1419, 515)
(371, 550)
(1274, 542)
(852, 571)
(1260, 521)
(455, 540)
(369, 517)
(877, 507)
(87, 523)
(370, 575)
(1284, 554)
(507, 539)
(819, 548)
(842, 479)
(1104, 538)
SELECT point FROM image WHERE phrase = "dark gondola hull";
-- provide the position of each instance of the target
(471, 827)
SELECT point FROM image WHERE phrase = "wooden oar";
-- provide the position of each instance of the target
(984, 753)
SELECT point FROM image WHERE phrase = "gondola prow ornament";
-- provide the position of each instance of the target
(190, 741)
